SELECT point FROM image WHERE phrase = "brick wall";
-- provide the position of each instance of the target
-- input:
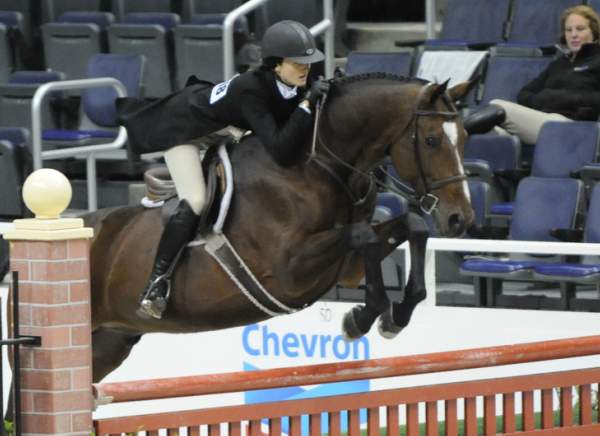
(55, 304)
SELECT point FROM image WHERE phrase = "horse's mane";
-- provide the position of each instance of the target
(346, 80)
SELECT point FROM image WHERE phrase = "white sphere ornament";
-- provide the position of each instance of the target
(47, 193)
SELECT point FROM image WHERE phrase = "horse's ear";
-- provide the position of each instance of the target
(457, 92)
(437, 91)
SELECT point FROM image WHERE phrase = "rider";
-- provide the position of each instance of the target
(270, 101)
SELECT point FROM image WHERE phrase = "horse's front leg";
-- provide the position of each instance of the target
(366, 262)
(398, 316)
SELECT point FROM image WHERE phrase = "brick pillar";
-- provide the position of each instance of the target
(52, 257)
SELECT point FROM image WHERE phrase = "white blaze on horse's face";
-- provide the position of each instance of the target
(451, 131)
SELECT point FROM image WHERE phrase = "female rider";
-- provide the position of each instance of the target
(270, 102)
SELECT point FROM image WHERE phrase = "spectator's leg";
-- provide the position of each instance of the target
(525, 122)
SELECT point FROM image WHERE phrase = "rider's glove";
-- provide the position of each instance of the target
(318, 89)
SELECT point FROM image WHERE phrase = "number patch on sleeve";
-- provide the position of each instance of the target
(219, 91)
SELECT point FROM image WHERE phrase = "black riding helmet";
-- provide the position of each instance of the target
(292, 40)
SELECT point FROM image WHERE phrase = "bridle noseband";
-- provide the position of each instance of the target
(427, 202)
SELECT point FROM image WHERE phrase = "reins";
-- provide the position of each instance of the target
(427, 202)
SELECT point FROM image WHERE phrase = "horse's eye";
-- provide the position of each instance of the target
(432, 141)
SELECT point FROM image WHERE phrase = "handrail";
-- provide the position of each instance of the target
(430, 18)
(88, 150)
(228, 26)
(325, 25)
(139, 390)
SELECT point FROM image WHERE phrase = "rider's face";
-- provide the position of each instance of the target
(292, 73)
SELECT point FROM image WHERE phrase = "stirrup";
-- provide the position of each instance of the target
(154, 307)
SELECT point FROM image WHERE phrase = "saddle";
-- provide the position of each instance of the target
(160, 190)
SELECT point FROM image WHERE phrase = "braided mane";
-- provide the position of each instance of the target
(345, 80)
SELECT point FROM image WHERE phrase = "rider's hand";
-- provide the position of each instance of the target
(318, 89)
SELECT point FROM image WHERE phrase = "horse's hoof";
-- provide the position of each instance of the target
(386, 326)
(350, 330)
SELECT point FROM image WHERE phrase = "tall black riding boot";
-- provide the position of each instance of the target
(484, 120)
(177, 232)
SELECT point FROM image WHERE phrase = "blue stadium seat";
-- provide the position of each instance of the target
(73, 39)
(562, 150)
(25, 9)
(190, 8)
(496, 160)
(11, 26)
(367, 62)
(217, 19)
(148, 34)
(16, 95)
(98, 123)
(199, 51)
(501, 153)
(595, 4)
(536, 23)
(485, 20)
(506, 75)
(480, 200)
(564, 147)
(389, 205)
(577, 272)
(53, 9)
(120, 8)
(542, 204)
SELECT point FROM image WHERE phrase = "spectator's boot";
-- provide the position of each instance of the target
(484, 120)
(178, 230)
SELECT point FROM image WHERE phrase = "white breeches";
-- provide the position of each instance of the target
(185, 165)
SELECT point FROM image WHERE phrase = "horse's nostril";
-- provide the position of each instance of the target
(456, 224)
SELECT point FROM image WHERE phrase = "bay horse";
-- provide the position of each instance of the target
(302, 229)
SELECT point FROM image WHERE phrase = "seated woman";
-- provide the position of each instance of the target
(568, 89)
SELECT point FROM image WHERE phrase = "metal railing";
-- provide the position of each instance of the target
(16, 341)
(89, 152)
(326, 25)
(430, 18)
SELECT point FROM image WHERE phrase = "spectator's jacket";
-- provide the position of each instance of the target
(568, 86)
(250, 101)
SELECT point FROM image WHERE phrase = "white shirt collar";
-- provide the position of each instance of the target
(286, 91)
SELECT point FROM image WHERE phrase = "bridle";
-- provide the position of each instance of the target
(428, 201)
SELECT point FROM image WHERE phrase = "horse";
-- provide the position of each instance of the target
(300, 229)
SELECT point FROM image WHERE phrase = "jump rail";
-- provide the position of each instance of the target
(389, 400)
(336, 372)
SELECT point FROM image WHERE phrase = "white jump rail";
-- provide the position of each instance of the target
(325, 25)
(87, 151)
(495, 246)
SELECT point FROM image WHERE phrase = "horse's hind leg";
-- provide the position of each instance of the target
(398, 316)
(109, 349)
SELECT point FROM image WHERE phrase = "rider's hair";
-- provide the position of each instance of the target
(270, 63)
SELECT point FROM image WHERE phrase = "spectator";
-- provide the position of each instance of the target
(568, 89)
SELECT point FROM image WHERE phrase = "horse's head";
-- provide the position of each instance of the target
(429, 155)
(373, 115)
